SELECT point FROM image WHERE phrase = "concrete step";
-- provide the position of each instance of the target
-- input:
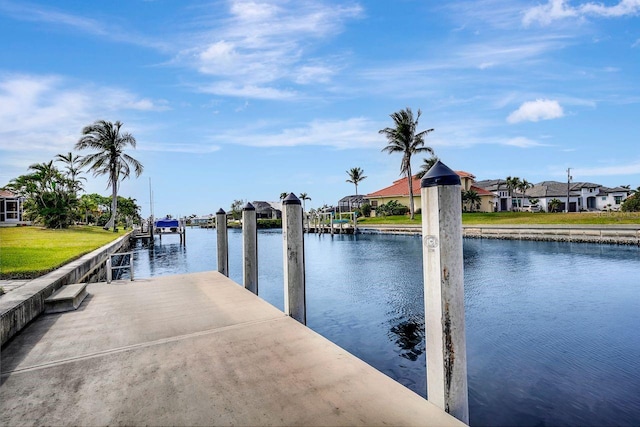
(67, 298)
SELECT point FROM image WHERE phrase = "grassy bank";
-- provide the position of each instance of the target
(523, 218)
(28, 252)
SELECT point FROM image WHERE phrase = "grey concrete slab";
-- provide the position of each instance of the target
(192, 349)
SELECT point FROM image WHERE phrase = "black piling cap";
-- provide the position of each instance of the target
(249, 207)
(291, 199)
(439, 174)
(221, 212)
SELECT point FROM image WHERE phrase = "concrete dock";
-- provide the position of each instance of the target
(194, 349)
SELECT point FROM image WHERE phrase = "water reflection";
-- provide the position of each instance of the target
(408, 335)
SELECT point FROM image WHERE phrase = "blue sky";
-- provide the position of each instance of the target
(248, 99)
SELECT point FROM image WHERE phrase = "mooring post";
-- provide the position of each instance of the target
(223, 242)
(294, 280)
(131, 265)
(444, 291)
(250, 248)
(107, 266)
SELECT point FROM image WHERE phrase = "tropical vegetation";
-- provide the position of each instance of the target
(304, 197)
(356, 175)
(109, 159)
(404, 138)
(426, 165)
(50, 195)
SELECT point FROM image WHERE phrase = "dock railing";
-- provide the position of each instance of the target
(110, 267)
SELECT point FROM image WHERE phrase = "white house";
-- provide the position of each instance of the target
(10, 208)
(583, 196)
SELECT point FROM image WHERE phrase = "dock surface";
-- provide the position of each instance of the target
(193, 349)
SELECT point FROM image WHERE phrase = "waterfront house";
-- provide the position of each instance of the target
(399, 191)
(268, 210)
(583, 196)
(11, 207)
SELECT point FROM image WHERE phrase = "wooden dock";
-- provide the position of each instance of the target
(193, 349)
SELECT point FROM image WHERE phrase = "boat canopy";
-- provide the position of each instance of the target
(167, 223)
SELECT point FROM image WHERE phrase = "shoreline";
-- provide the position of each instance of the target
(625, 234)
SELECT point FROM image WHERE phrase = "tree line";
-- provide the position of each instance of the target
(51, 189)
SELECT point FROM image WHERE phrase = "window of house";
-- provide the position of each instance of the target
(604, 198)
(374, 203)
(618, 199)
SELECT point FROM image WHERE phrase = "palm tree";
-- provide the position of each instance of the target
(110, 159)
(283, 196)
(355, 176)
(428, 164)
(553, 205)
(523, 186)
(472, 199)
(403, 138)
(303, 197)
(72, 168)
(512, 184)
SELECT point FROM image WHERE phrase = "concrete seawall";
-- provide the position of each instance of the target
(628, 234)
(20, 306)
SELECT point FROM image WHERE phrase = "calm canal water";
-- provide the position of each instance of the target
(552, 328)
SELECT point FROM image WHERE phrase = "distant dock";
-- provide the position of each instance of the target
(193, 349)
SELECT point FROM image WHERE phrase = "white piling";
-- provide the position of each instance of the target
(223, 242)
(131, 265)
(250, 248)
(107, 266)
(444, 291)
(294, 278)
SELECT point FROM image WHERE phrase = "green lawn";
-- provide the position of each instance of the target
(27, 252)
(522, 218)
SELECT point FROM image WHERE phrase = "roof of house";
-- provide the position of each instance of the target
(492, 184)
(481, 191)
(400, 187)
(7, 194)
(267, 206)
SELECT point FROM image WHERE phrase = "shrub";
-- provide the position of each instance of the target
(269, 223)
(631, 204)
(365, 210)
(392, 207)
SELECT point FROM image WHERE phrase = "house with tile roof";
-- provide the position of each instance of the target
(583, 196)
(399, 191)
(11, 207)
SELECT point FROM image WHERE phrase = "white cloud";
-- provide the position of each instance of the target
(343, 134)
(45, 114)
(48, 15)
(555, 10)
(228, 88)
(533, 111)
(523, 142)
(262, 43)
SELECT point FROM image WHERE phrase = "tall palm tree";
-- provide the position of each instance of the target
(303, 197)
(110, 159)
(403, 138)
(523, 186)
(512, 183)
(355, 176)
(426, 165)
